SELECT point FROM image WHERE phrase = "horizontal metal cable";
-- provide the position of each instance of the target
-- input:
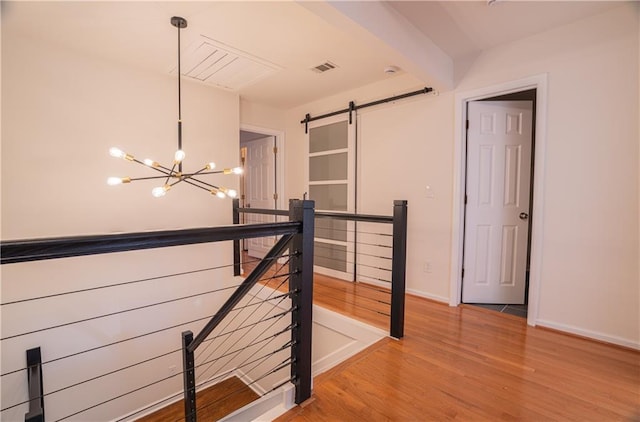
(116, 342)
(374, 244)
(116, 285)
(247, 317)
(181, 393)
(262, 340)
(363, 285)
(356, 296)
(351, 252)
(356, 305)
(119, 396)
(375, 278)
(351, 262)
(350, 231)
(224, 374)
(284, 347)
(374, 267)
(374, 256)
(92, 379)
(252, 261)
(117, 313)
(281, 348)
(246, 326)
(282, 296)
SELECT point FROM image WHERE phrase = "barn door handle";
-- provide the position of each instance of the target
(524, 216)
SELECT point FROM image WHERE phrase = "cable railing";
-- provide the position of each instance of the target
(364, 257)
(101, 327)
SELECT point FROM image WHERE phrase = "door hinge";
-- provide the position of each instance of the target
(462, 276)
(465, 199)
(467, 124)
(275, 150)
(275, 196)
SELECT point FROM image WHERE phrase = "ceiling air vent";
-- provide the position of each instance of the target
(326, 66)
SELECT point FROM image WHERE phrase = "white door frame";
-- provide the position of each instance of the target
(283, 201)
(539, 83)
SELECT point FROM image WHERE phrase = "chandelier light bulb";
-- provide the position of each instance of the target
(179, 156)
(116, 152)
(235, 170)
(218, 192)
(211, 165)
(160, 191)
(114, 181)
(149, 162)
(231, 193)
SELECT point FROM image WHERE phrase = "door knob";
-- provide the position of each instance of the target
(524, 216)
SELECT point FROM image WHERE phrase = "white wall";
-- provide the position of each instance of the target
(58, 127)
(266, 117)
(61, 113)
(589, 280)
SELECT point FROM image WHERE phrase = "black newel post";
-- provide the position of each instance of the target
(236, 243)
(398, 268)
(301, 283)
(189, 378)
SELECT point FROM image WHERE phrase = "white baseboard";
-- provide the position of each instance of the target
(426, 295)
(589, 334)
(267, 407)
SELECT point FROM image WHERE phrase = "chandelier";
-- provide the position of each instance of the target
(173, 175)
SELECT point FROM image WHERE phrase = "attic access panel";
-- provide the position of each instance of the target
(215, 63)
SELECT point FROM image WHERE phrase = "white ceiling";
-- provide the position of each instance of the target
(292, 37)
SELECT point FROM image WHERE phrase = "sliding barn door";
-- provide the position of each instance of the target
(331, 176)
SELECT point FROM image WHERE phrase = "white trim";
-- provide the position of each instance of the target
(329, 152)
(420, 293)
(330, 182)
(590, 334)
(539, 82)
(282, 201)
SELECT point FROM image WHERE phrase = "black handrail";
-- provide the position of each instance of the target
(14, 251)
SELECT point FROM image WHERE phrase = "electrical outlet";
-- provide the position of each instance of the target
(426, 267)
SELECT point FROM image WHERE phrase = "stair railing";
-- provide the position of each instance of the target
(297, 239)
(396, 271)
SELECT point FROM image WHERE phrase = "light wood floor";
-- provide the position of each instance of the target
(213, 403)
(473, 364)
(470, 364)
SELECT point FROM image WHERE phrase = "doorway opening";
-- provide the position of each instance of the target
(499, 168)
(261, 183)
(539, 83)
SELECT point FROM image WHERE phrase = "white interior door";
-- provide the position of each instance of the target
(260, 189)
(497, 202)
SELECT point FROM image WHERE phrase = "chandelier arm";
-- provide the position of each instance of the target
(133, 179)
(190, 175)
(192, 182)
(205, 172)
(162, 169)
(171, 172)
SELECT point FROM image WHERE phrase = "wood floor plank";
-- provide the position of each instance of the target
(468, 363)
(212, 403)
